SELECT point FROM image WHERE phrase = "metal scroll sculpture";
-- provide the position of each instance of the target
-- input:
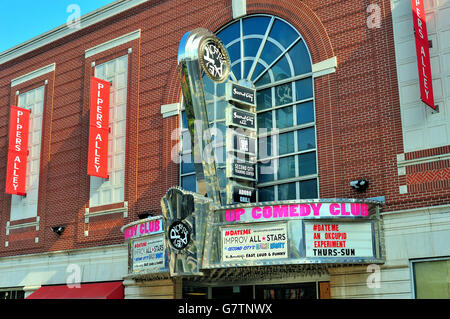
(201, 51)
(186, 213)
(186, 217)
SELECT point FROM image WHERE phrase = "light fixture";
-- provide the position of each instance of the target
(58, 229)
(146, 215)
(360, 184)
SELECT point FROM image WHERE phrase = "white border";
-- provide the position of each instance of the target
(33, 74)
(112, 43)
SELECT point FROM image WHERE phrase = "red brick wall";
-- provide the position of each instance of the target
(357, 110)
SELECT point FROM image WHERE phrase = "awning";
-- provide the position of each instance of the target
(106, 290)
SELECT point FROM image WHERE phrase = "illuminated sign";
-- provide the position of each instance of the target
(240, 94)
(255, 242)
(294, 210)
(148, 227)
(16, 170)
(338, 239)
(99, 128)
(423, 53)
(148, 254)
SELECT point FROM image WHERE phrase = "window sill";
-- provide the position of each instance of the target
(106, 210)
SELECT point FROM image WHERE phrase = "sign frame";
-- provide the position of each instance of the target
(156, 268)
(230, 170)
(229, 122)
(246, 97)
(231, 142)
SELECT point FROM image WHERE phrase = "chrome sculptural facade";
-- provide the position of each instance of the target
(204, 233)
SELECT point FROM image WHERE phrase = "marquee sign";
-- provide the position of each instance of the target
(294, 232)
(338, 239)
(423, 52)
(148, 254)
(98, 128)
(254, 242)
(16, 169)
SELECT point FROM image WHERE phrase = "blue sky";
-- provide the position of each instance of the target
(21, 20)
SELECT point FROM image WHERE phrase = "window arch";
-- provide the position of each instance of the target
(267, 53)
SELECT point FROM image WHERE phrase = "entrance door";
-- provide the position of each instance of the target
(307, 290)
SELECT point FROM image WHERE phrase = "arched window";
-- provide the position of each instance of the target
(268, 54)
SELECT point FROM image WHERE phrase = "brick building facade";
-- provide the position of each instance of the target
(358, 120)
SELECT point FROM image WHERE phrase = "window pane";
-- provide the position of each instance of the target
(251, 47)
(306, 139)
(300, 53)
(186, 140)
(234, 51)
(284, 117)
(270, 52)
(308, 189)
(259, 68)
(237, 70)
(264, 99)
(189, 183)
(255, 25)
(265, 79)
(283, 33)
(265, 120)
(286, 143)
(287, 167)
(305, 113)
(307, 164)
(431, 279)
(230, 33)
(287, 191)
(303, 89)
(281, 70)
(187, 163)
(283, 94)
(266, 171)
(184, 120)
(264, 147)
(266, 194)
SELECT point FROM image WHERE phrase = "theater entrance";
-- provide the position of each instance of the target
(258, 291)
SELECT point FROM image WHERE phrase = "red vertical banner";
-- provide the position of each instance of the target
(423, 53)
(98, 128)
(16, 169)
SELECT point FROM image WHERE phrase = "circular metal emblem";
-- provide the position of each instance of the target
(214, 59)
(179, 235)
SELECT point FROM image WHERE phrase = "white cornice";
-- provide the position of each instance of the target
(34, 74)
(64, 30)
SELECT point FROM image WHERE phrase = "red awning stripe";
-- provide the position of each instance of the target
(107, 290)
